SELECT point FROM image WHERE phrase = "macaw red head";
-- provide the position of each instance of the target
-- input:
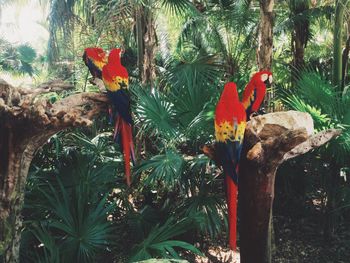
(264, 76)
(114, 55)
(230, 91)
(96, 54)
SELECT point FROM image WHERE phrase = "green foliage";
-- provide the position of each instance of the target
(155, 113)
(210, 206)
(68, 204)
(177, 7)
(165, 169)
(160, 243)
(17, 59)
(328, 107)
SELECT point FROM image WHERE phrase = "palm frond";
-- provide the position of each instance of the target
(178, 7)
(211, 207)
(192, 85)
(155, 114)
(160, 243)
(83, 228)
(164, 168)
(328, 108)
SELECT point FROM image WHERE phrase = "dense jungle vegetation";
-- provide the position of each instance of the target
(179, 54)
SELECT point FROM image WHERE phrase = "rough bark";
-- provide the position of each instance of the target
(139, 31)
(264, 52)
(148, 70)
(300, 33)
(27, 122)
(345, 56)
(146, 43)
(265, 34)
(269, 140)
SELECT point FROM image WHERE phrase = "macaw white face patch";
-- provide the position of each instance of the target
(270, 79)
(264, 77)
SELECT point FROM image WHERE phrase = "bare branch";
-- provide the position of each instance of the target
(312, 142)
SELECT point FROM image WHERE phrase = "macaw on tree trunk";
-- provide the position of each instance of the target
(230, 123)
(95, 58)
(116, 79)
(255, 91)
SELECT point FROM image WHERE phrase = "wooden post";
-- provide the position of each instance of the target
(269, 140)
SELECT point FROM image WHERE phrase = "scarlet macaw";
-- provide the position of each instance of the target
(230, 123)
(95, 58)
(254, 92)
(116, 80)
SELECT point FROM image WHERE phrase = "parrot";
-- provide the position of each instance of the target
(230, 123)
(95, 58)
(254, 92)
(116, 79)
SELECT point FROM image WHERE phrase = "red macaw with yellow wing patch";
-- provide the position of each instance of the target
(230, 123)
(255, 91)
(116, 79)
(95, 58)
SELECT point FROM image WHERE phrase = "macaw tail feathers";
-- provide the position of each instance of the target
(232, 211)
(123, 135)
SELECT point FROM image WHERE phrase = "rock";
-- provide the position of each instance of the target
(290, 120)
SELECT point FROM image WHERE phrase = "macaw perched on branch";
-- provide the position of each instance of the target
(116, 80)
(230, 123)
(254, 92)
(95, 58)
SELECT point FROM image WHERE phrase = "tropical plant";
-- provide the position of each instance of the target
(160, 242)
(17, 59)
(71, 204)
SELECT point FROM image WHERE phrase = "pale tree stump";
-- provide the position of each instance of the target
(269, 140)
(26, 123)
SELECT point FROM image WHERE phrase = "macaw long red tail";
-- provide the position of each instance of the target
(123, 129)
(232, 211)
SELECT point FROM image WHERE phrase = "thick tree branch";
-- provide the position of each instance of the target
(312, 142)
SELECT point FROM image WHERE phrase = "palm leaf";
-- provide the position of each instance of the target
(155, 114)
(159, 242)
(164, 168)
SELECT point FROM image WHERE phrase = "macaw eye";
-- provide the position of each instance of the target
(270, 79)
(264, 77)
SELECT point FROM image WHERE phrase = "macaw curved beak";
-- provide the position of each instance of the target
(268, 82)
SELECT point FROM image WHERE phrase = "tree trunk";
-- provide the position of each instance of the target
(149, 37)
(26, 124)
(264, 52)
(300, 33)
(269, 140)
(146, 43)
(265, 34)
(345, 56)
(337, 44)
(140, 24)
(17, 154)
(298, 49)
